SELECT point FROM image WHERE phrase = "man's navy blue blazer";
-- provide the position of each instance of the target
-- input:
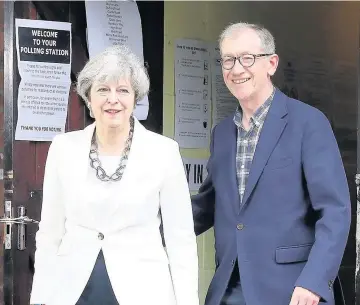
(292, 226)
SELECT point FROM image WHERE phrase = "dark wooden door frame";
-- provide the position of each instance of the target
(9, 34)
(16, 163)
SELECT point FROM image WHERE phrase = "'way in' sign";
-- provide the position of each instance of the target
(197, 171)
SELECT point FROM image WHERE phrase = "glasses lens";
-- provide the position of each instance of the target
(247, 60)
(228, 62)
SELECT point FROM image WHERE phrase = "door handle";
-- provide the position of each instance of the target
(21, 220)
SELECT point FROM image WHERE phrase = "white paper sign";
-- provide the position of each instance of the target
(116, 23)
(223, 102)
(42, 110)
(44, 61)
(44, 49)
(196, 172)
(192, 93)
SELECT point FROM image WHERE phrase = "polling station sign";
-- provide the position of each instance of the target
(43, 49)
(44, 45)
(44, 62)
(195, 170)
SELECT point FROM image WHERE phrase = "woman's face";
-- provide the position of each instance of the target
(112, 103)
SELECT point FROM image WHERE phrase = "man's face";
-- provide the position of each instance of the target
(247, 83)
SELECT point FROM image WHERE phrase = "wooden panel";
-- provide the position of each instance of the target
(41, 150)
(76, 113)
(24, 165)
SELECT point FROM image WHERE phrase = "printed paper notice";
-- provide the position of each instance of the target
(42, 110)
(224, 103)
(192, 93)
(116, 23)
(196, 172)
(44, 61)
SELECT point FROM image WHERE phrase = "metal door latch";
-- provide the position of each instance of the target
(20, 221)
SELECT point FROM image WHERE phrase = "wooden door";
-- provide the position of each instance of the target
(24, 161)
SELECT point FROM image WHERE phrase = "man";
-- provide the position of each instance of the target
(276, 191)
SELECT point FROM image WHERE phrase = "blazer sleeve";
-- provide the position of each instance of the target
(51, 228)
(203, 203)
(178, 228)
(329, 195)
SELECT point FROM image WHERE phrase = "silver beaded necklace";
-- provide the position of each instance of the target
(95, 162)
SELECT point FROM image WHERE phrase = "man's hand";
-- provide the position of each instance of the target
(302, 296)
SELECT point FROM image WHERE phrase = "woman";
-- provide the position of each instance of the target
(104, 187)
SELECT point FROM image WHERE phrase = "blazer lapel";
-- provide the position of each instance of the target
(82, 158)
(134, 166)
(231, 161)
(138, 149)
(85, 149)
(272, 129)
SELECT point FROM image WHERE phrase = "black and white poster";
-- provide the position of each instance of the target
(44, 61)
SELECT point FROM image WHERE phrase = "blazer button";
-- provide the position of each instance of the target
(100, 236)
(240, 226)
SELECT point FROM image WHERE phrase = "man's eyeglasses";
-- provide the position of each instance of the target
(246, 60)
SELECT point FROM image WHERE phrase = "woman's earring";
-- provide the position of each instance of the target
(90, 111)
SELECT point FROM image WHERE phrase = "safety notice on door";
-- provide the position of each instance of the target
(44, 61)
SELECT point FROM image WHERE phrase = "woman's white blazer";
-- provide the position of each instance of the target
(141, 271)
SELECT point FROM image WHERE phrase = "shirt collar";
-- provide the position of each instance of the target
(259, 115)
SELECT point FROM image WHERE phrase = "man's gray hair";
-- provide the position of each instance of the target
(113, 64)
(266, 38)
